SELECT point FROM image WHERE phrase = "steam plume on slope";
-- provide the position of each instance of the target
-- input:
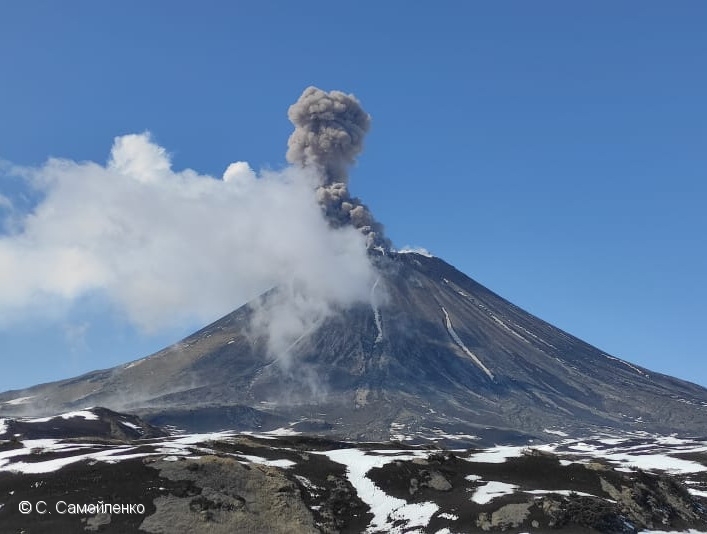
(167, 248)
(329, 132)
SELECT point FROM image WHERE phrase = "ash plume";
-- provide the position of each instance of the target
(329, 132)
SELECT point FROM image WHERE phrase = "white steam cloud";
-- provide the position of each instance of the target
(166, 246)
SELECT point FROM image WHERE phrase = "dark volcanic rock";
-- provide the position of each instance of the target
(441, 355)
(226, 483)
(92, 422)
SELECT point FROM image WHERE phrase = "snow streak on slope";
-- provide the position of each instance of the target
(507, 328)
(461, 345)
(500, 322)
(627, 365)
(376, 312)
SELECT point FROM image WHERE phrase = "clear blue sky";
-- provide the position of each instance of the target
(554, 151)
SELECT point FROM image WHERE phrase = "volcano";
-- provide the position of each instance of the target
(433, 355)
(422, 353)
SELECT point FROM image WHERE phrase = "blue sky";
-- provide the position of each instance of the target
(553, 151)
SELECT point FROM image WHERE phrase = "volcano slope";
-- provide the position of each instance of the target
(433, 355)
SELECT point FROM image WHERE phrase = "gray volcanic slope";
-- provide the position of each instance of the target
(442, 355)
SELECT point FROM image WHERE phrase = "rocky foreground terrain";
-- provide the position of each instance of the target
(99, 471)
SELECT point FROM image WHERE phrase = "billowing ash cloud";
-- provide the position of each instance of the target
(329, 132)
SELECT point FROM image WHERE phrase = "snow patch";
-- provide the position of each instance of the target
(451, 517)
(282, 432)
(270, 463)
(415, 250)
(396, 432)
(491, 490)
(193, 439)
(307, 483)
(440, 434)
(566, 493)
(555, 432)
(19, 400)
(649, 462)
(672, 440)
(496, 455)
(385, 508)
(89, 416)
(110, 456)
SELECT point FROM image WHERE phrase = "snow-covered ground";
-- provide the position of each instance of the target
(626, 453)
(385, 508)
